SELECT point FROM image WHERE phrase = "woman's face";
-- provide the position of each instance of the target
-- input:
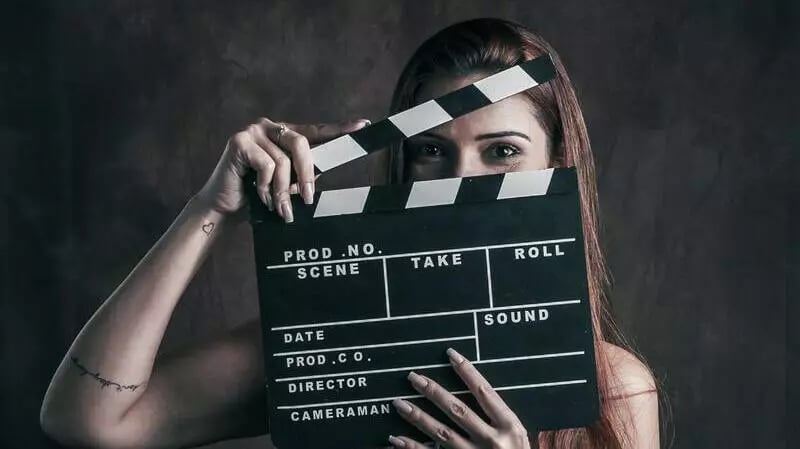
(501, 137)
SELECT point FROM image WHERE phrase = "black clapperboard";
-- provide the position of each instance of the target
(370, 283)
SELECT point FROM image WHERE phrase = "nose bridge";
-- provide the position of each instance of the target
(466, 163)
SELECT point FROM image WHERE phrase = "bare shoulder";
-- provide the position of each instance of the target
(629, 375)
(634, 398)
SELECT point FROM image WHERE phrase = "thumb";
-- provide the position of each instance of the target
(324, 132)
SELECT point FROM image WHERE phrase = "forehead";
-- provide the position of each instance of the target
(513, 113)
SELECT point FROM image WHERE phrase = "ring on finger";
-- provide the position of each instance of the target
(281, 131)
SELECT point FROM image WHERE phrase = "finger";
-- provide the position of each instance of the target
(323, 132)
(295, 189)
(281, 173)
(433, 428)
(255, 157)
(406, 443)
(495, 407)
(297, 145)
(454, 408)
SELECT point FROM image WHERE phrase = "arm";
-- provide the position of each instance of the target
(110, 390)
(109, 367)
(203, 393)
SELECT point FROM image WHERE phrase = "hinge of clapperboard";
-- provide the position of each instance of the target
(420, 118)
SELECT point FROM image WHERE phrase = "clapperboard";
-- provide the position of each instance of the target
(369, 283)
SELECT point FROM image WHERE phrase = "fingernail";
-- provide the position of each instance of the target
(286, 211)
(402, 406)
(417, 380)
(267, 198)
(396, 442)
(359, 123)
(455, 357)
(308, 192)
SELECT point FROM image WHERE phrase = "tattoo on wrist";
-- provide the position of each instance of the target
(208, 228)
(103, 382)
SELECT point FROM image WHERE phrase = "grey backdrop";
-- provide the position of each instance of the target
(115, 112)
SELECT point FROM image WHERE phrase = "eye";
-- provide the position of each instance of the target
(504, 151)
(428, 150)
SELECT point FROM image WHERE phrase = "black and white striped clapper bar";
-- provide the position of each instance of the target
(370, 283)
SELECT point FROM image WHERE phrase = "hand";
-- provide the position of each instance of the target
(262, 147)
(504, 432)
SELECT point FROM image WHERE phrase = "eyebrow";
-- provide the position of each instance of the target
(484, 136)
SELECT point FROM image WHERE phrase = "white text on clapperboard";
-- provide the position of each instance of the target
(315, 263)
(345, 268)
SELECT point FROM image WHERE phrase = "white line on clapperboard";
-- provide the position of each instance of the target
(437, 365)
(489, 278)
(378, 345)
(477, 338)
(389, 398)
(420, 253)
(426, 315)
(386, 289)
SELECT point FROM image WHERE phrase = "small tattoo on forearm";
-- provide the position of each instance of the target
(103, 382)
(208, 228)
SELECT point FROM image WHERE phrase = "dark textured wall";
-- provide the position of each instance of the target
(115, 112)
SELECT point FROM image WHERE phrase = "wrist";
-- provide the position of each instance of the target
(205, 211)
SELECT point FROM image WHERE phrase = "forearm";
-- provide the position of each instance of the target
(108, 365)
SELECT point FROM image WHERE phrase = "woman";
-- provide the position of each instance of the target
(112, 391)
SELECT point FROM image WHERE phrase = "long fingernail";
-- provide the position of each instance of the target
(308, 192)
(267, 198)
(417, 380)
(286, 211)
(358, 123)
(455, 357)
(396, 442)
(402, 406)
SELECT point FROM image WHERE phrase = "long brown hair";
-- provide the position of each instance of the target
(489, 45)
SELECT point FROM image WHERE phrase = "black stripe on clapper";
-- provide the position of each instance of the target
(540, 69)
(479, 188)
(371, 138)
(563, 180)
(377, 135)
(387, 197)
(463, 101)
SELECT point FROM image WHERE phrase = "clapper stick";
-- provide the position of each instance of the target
(432, 113)
(371, 282)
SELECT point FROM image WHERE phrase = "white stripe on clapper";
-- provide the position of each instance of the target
(337, 152)
(435, 192)
(343, 201)
(506, 83)
(525, 183)
(420, 118)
